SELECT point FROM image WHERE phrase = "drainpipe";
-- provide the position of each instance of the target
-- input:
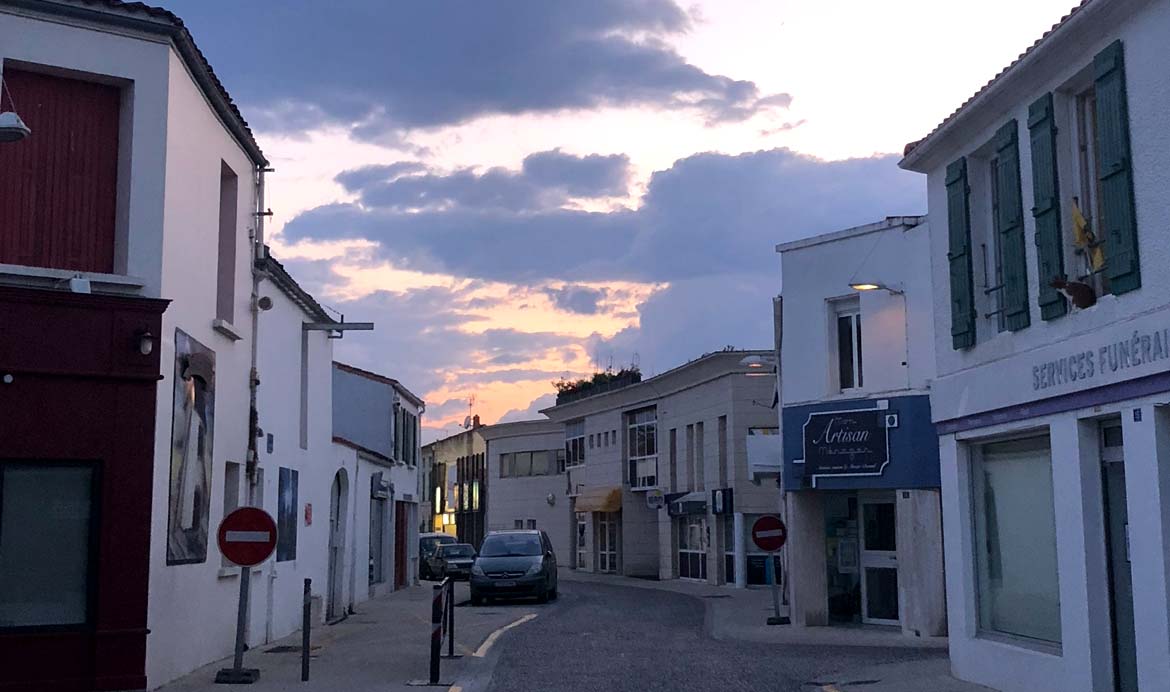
(255, 493)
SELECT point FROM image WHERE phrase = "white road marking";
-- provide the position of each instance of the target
(487, 643)
(247, 536)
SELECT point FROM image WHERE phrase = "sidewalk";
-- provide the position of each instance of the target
(391, 632)
(741, 615)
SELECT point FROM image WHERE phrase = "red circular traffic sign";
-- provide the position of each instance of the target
(247, 536)
(769, 533)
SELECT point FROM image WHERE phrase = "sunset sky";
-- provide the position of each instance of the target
(519, 191)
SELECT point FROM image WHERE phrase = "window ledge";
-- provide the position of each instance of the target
(47, 277)
(227, 329)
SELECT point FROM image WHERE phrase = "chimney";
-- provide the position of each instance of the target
(475, 421)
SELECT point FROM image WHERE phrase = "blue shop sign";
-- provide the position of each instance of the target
(865, 443)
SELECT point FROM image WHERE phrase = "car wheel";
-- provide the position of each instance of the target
(542, 597)
(476, 599)
(552, 595)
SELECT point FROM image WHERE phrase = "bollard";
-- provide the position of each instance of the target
(436, 631)
(305, 624)
(450, 614)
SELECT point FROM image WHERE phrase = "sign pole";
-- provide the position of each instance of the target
(772, 578)
(769, 535)
(247, 537)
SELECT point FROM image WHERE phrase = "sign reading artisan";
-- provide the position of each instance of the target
(847, 443)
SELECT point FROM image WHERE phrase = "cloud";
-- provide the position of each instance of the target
(386, 67)
(546, 181)
(579, 299)
(532, 412)
(706, 215)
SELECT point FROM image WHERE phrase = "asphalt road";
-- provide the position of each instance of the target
(601, 638)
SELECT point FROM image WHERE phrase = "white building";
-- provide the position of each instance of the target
(526, 481)
(376, 427)
(861, 469)
(682, 435)
(1051, 411)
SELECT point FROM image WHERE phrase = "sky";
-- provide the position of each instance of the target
(520, 191)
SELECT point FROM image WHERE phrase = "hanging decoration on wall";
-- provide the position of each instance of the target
(192, 428)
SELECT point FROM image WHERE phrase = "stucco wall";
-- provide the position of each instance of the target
(527, 497)
(354, 396)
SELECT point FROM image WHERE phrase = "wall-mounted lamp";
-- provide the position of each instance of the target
(870, 286)
(145, 342)
(12, 128)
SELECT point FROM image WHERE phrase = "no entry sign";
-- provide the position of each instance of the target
(247, 536)
(769, 533)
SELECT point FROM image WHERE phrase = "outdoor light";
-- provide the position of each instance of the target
(754, 362)
(146, 343)
(870, 286)
(12, 128)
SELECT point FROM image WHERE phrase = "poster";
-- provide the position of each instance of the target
(286, 515)
(192, 428)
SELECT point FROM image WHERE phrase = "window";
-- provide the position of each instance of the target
(700, 465)
(692, 485)
(723, 451)
(507, 465)
(397, 431)
(226, 269)
(642, 441)
(531, 523)
(847, 318)
(560, 461)
(59, 206)
(377, 572)
(523, 463)
(46, 543)
(993, 249)
(692, 547)
(517, 523)
(231, 493)
(673, 437)
(475, 496)
(540, 463)
(1015, 537)
(582, 527)
(574, 444)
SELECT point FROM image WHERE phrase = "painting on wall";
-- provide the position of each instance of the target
(192, 428)
(286, 515)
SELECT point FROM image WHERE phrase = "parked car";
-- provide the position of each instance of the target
(514, 563)
(452, 560)
(428, 543)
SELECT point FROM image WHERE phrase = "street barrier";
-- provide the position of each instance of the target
(442, 627)
(305, 624)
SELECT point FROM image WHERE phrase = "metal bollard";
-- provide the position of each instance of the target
(305, 625)
(436, 630)
(450, 615)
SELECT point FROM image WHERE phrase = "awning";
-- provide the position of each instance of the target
(599, 500)
(680, 504)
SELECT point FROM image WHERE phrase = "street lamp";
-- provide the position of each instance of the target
(874, 286)
(12, 128)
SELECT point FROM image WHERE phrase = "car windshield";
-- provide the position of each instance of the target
(511, 545)
(429, 545)
(461, 550)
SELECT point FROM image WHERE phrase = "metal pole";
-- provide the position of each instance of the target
(242, 616)
(436, 631)
(305, 606)
(451, 619)
(775, 619)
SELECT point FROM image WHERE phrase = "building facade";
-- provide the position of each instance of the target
(658, 477)
(376, 427)
(459, 483)
(861, 468)
(102, 247)
(529, 486)
(1047, 199)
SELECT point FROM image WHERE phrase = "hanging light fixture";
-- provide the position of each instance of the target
(12, 128)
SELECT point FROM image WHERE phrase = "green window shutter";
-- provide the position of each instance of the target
(1010, 224)
(1046, 209)
(1118, 217)
(959, 256)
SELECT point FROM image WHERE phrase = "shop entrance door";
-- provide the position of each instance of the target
(1120, 581)
(879, 560)
(692, 547)
(607, 540)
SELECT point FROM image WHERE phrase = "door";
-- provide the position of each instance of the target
(1120, 581)
(334, 608)
(692, 547)
(399, 545)
(607, 539)
(879, 560)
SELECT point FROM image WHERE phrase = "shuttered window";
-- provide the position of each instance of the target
(1118, 218)
(959, 255)
(1009, 225)
(59, 186)
(1046, 207)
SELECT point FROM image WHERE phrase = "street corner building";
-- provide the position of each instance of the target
(458, 489)
(658, 479)
(861, 465)
(159, 367)
(375, 492)
(1048, 207)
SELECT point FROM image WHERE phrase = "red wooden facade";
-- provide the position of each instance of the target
(59, 204)
(76, 389)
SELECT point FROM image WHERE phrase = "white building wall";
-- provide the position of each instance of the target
(524, 498)
(183, 597)
(404, 480)
(125, 60)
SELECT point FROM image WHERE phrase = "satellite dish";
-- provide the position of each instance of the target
(467, 422)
